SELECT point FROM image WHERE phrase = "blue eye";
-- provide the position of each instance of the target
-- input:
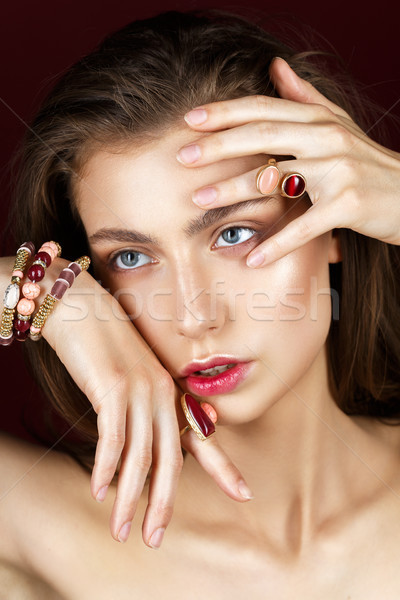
(235, 235)
(130, 260)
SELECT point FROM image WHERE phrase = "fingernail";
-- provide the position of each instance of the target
(124, 532)
(196, 116)
(101, 494)
(245, 491)
(156, 538)
(205, 196)
(255, 260)
(268, 180)
(189, 154)
(210, 411)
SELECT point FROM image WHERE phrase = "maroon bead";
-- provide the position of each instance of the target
(44, 256)
(20, 325)
(67, 276)
(36, 273)
(21, 335)
(201, 419)
(29, 246)
(59, 289)
(75, 268)
(294, 186)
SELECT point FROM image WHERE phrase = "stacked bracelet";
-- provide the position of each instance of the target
(63, 282)
(12, 293)
(31, 290)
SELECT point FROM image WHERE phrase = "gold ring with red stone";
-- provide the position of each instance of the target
(291, 185)
(200, 420)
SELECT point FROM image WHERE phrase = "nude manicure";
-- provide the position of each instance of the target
(101, 494)
(124, 532)
(245, 491)
(157, 537)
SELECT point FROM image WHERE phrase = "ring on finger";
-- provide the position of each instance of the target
(197, 418)
(291, 185)
(267, 176)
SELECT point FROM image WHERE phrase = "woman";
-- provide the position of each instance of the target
(303, 440)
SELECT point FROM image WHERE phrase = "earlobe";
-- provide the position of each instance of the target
(335, 251)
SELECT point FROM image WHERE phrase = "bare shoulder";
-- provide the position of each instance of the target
(35, 485)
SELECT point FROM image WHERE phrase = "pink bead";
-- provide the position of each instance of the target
(31, 290)
(35, 329)
(51, 245)
(25, 307)
(17, 273)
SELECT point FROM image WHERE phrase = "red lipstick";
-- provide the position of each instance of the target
(219, 383)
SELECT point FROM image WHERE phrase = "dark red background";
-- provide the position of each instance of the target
(40, 39)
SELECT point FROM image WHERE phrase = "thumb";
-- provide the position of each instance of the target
(292, 87)
(289, 85)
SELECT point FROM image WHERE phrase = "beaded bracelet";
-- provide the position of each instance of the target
(12, 293)
(62, 283)
(31, 290)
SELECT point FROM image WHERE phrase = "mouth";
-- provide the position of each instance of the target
(214, 370)
(220, 379)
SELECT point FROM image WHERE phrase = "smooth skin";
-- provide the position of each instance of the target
(352, 181)
(294, 125)
(92, 322)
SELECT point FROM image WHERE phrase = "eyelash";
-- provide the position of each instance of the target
(113, 259)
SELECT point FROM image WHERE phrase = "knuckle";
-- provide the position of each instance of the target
(143, 383)
(303, 230)
(143, 459)
(162, 509)
(166, 384)
(113, 439)
(176, 462)
(339, 134)
(218, 143)
(324, 113)
(262, 104)
(266, 129)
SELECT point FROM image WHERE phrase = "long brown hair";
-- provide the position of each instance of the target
(137, 84)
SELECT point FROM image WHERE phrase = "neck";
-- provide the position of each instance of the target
(304, 459)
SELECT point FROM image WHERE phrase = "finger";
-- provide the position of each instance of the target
(135, 464)
(215, 461)
(111, 422)
(292, 87)
(302, 140)
(231, 113)
(243, 187)
(318, 219)
(166, 468)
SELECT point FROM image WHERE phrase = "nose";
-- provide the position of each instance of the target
(200, 306)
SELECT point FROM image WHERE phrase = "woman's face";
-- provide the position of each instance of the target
(181, 274)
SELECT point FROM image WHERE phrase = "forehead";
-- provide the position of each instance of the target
(147, 183)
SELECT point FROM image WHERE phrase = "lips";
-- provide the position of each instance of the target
(221, 383)
(209, 363)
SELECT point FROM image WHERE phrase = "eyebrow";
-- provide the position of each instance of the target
(191, 229)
